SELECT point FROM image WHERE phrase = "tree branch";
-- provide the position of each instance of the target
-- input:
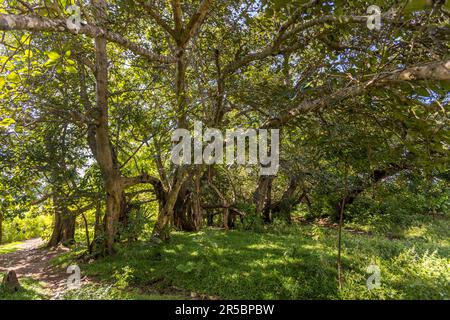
(196, 20)
(177, 17)
(437, 71)
(283, 35)
(158, 19)
(143, 178)
(36, 23)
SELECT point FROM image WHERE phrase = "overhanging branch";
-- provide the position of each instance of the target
(435, 71)
(36, 23)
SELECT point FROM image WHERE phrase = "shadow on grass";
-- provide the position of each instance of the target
(232, 265)
(30, 290)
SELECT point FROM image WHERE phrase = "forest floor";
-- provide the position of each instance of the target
(40, 278)
(30, 260)
(280, 261)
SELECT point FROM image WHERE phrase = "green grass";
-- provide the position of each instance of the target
(284, 262)
(10, 247)
(30, 290)
(104, 291)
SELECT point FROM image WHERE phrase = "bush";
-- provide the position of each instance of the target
(23, 228)
(252, 222)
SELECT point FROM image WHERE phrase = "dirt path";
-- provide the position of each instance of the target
(31, 260)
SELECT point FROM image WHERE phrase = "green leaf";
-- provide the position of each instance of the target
(49, 63)
(53, 55)
(13, 77)
(25, 39)
(28, 53)
(6, 122)
(70, 69)
(186, 268)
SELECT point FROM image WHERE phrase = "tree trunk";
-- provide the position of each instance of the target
(376, 176)
(103, 150)
(167, 201)
(1, 227)
(267, 205)
(288, 201)
(262, 197)
(210, 219)
(86, 230)
(64, 225)
(114, 208)
(96, 243)
(188, 211)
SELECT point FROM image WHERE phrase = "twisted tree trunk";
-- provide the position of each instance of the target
(64, 225)
(187, 210)
(288, 201)
(167, 201)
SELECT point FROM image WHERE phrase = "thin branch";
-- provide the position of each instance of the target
(158, 18)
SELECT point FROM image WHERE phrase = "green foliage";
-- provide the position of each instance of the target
(335, 138)
(394, 210)
(406, 275)
(252, 222)
(27, 227)
(137, 226)
(123, 277)
(186, 268)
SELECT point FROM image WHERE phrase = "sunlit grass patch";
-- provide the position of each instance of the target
(31, 289)
(10, 247)
(298, 263)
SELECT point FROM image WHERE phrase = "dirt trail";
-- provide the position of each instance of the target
(31, 260)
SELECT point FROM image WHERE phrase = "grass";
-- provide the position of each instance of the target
(283, 262)
(30, 290)
(10, 247)
(277, 262)
(104, 291)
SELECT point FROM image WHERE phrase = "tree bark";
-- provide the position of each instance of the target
(187, 210)
(376, 176)
(261, 197)
(289, 199)
(64, 225)
(103, 150)
(1, 227)
(167, 202)
(97, 242)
